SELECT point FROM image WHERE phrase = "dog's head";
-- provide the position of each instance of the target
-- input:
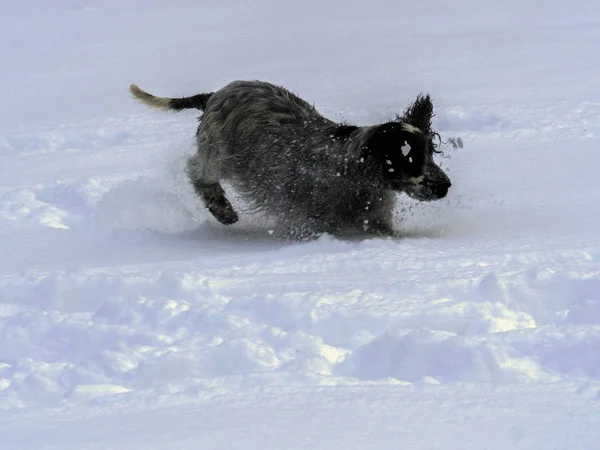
(404, 149)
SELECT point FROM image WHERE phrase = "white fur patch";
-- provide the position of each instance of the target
(411, 128)
(417, 180)
(405, 148)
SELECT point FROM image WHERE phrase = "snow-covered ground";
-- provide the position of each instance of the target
(130, 319)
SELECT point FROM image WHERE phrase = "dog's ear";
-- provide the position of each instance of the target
(419, 114)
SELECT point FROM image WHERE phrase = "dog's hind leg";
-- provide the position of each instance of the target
(211, 192)
(215, 201)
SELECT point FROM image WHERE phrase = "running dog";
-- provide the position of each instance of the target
(310, 174)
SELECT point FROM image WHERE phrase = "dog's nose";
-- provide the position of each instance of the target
(442, 189)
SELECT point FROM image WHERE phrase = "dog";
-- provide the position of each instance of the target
(310, 174)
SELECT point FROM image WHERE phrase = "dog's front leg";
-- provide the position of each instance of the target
(378, 215)
(381, 226)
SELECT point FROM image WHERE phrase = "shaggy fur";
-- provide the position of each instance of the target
(311, 174)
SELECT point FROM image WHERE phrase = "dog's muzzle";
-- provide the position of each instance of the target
(428, 191)
(441, 190)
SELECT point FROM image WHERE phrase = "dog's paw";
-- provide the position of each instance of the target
(222, 210)
(228, 217)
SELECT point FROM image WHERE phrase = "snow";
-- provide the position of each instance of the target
(130, 319)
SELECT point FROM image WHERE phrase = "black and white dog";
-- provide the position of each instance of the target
(311, 174)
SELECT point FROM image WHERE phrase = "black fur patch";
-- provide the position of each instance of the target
(198, 101)
(343, 132)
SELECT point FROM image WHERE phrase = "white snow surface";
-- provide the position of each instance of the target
(130, 319)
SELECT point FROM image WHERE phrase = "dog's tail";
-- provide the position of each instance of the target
(198, 101)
